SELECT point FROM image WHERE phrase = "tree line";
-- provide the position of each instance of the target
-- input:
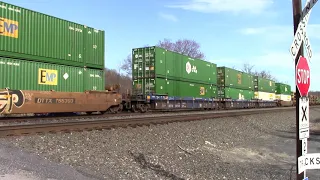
(184, 46)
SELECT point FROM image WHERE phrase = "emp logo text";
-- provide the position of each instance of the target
(48, 77)
(9, 28)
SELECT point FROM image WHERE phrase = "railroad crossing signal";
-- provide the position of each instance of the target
(303, 76)
(301, 18)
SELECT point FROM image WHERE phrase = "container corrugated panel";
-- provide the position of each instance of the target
(264, 85)
(196, 90)
(29, 75)
(234, 93)
(94, 47)
(228, 77)
(196, 70)
(94, 79)
(283, 97)
(176, 88)
(34, 36)
(266, 96)
(158, 62)
(283, 88)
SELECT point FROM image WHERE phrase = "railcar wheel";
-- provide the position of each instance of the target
(134, 108)
(143, 108)
(115, 109)
(103, 112)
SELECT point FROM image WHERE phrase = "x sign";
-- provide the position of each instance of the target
(303, 117)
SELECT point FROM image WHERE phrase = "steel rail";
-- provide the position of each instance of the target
(100, 124)
(10, 119)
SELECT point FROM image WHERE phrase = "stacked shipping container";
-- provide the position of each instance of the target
(158, 71)
(234, 84)
(28, 75)
(283, 92)
(264, 89)
(41, 52)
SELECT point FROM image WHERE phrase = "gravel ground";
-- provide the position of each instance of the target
(249, 147)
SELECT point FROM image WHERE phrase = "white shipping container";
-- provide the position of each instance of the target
(264, 96)
(283, 97)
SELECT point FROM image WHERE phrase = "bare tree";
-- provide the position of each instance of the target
(265, 74)
(184, 46)
(234, 67)
(114, 80)
(247, 68)
(127, 65)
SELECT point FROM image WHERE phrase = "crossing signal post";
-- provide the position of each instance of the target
(296, 19)
(299, 52)
(302, 72)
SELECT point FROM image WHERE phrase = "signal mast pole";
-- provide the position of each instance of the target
(297, 10)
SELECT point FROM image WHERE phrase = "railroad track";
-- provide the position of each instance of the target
(67, 117)
(100, 123)
(8, 120)
(18, 119)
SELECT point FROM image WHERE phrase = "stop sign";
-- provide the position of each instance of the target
(303, 76)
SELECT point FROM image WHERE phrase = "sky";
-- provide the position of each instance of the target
(230, 32)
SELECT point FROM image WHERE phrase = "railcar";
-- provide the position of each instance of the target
(44, 102)
(141, 103)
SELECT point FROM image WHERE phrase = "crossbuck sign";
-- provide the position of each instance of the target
(301, 34)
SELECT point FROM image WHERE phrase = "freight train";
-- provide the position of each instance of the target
(60, 69)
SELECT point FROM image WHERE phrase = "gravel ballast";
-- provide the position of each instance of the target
(248, 147)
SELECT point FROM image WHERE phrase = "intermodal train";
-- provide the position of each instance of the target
(60, 69)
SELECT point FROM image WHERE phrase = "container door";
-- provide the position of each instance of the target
(149, 61)
(138, 71)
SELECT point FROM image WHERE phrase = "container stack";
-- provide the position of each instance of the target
(159, 71)
(283, 92)
(41, 52)
(234, 84)
(264, 89)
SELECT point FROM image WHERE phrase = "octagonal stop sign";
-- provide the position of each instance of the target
(303, 76)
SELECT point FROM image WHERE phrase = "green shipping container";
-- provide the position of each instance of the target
(161, 86)
(264, 85)
(30, 35)
(283, 89)
(233, 93)
(158, 62)
(29, 75)
(228, 77)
